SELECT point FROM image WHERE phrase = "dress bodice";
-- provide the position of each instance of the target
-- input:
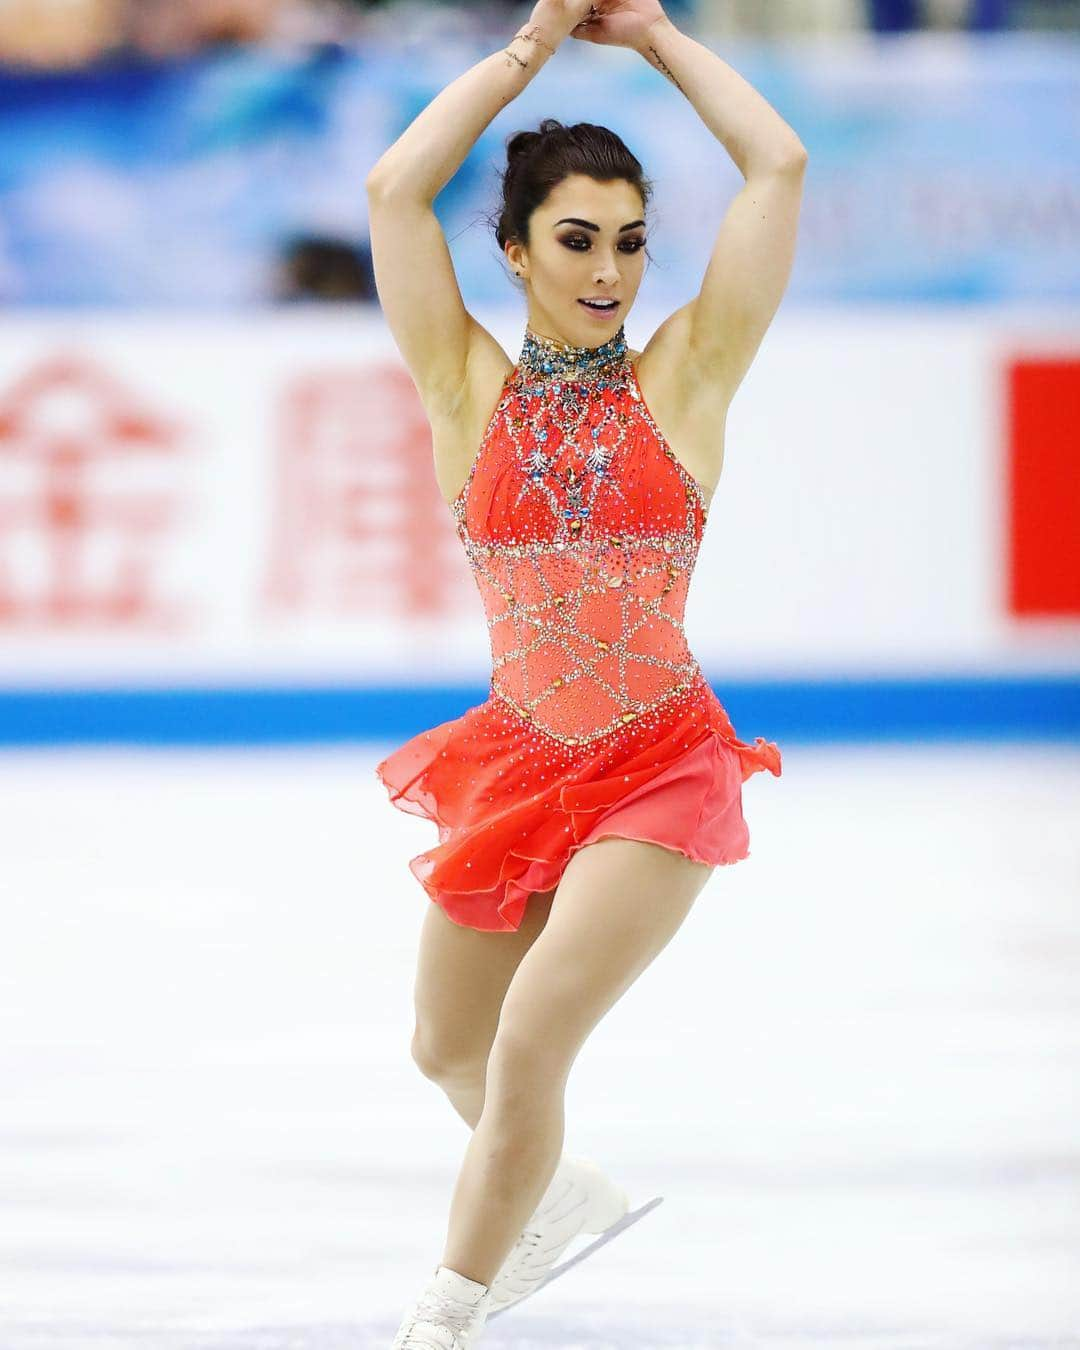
(581, 529)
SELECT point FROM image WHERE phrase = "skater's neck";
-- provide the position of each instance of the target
(545, 358)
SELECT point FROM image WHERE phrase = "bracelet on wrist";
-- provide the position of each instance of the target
(531, 36)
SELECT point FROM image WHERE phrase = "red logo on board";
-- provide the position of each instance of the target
(88, 501)
(359, 525)
(1043, 467)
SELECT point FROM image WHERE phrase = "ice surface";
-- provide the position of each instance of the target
(854, 1074)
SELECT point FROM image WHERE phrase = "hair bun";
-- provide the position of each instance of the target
(521, 144)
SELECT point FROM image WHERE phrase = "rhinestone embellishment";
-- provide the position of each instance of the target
(582, 546)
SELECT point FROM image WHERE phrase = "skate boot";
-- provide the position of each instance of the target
(579, 1199)
(448, 1315)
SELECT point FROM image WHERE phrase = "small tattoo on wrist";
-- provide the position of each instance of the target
(664, 68)
(513, 56)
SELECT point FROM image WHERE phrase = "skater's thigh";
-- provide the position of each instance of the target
(619, 903)
(462, 975)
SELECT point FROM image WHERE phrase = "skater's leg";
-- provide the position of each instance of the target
(619, 903)
(462, 975)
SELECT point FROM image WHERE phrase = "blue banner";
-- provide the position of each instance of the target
(943, 167)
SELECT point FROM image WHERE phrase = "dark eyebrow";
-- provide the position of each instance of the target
(572, 220)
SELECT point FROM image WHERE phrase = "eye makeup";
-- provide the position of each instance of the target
(572, 240)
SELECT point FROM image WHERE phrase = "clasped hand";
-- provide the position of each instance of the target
(613, 23)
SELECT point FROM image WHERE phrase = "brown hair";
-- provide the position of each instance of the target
(537, 161)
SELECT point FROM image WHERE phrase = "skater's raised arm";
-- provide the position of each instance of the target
(754, 250)
(433, 147)
(718, 332)
(414, 273)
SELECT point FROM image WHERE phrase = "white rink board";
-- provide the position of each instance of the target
(253, 497)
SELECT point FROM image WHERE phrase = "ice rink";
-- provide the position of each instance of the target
(854, 1075)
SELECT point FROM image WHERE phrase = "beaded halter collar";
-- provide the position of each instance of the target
(545, 358)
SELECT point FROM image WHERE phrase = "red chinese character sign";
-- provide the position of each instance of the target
(358, 523)
(88, 501)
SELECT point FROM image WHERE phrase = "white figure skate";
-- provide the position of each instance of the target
(448, 1315)
(579, 1199)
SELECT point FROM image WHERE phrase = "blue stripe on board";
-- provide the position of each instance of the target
(1043, 707)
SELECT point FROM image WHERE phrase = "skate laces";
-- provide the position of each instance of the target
(444, 1311)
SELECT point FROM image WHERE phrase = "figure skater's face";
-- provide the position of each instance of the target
(587, 241)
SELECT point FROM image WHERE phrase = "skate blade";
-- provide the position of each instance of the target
(606, 1236)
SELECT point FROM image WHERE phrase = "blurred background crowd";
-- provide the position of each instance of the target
(212, 152)
(67, 34)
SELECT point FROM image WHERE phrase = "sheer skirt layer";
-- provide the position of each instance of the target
(512, 805)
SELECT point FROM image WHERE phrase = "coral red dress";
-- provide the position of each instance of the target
(582, 529)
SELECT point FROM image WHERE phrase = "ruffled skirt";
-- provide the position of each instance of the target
(512, 805)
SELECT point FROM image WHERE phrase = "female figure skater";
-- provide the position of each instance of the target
(582, 807)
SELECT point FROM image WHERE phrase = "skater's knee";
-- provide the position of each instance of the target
(445, 1062)
(523, 1069)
